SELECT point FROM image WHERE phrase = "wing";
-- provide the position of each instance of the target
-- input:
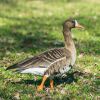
(60, 66)
(42, 60)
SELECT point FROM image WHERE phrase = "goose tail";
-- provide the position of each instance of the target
(27, 66)
(13, 67)
(26, 63)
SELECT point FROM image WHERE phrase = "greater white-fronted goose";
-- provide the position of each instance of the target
(54, 62)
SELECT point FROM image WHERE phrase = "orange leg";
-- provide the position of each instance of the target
(51, 84)
(40, 87)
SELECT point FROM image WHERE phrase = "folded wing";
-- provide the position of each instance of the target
(40, 61)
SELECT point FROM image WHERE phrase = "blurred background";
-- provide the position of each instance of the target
(28, 27)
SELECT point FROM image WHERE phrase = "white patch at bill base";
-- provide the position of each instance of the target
(76, 23)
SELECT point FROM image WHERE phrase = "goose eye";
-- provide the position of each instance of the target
(73, 22)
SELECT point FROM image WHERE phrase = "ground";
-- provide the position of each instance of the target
(28, 27)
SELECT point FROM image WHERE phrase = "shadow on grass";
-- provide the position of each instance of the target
(70, 78)
(8, 2)
(26, 35)
(34, 34)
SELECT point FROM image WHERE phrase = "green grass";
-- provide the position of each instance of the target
(28, 27)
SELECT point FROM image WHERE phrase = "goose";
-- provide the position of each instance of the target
(54, 62)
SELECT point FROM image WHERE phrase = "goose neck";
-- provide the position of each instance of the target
(68, 38)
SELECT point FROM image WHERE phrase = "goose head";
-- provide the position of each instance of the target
(70, 23)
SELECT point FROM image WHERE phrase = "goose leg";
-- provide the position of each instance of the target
(51, 84)
(40, 87)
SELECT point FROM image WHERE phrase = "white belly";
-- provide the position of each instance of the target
(36, 71)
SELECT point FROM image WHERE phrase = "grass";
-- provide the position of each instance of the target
(28, 27)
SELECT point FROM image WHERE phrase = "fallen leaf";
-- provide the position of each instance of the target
(63, 91)
(81, 55)
(16, 96)
(87, 71)
(30, 95)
